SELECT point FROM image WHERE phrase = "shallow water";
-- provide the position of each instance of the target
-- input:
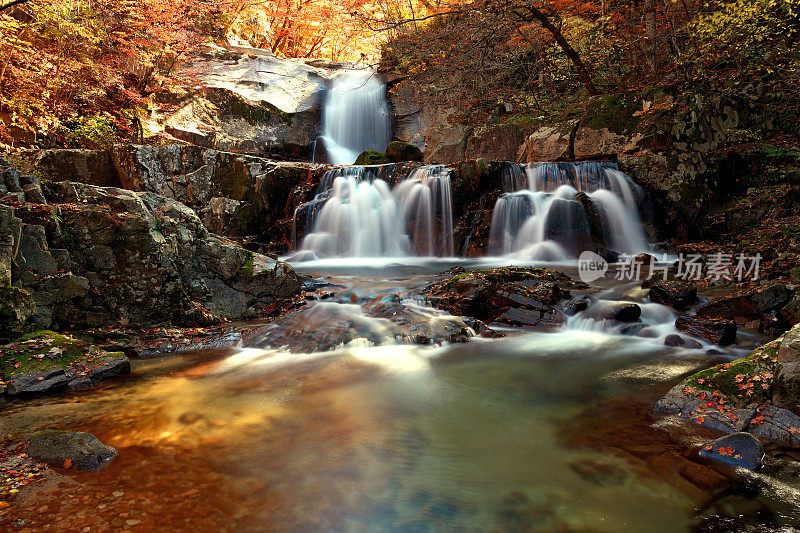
(473, 437)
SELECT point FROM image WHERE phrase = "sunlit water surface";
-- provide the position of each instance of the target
(391, 438)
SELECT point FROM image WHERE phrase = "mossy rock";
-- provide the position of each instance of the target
(744, 381)
(501, 276)
(371, 157)
(46, 350)
(69, 449)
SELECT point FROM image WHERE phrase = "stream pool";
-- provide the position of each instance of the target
(537, 431)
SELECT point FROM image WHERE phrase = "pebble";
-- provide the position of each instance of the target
(118, 494)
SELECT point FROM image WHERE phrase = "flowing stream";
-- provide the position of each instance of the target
(490, 435)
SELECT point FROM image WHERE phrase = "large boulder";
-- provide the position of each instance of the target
(96, 255)
(720, 332)
(678, 294)
(253, 101)
(399, 151)
(514, 296)
(69, 449)
(749, 305)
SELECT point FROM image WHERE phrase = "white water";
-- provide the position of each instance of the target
(356, 117)
(362, 217)
(545, 222)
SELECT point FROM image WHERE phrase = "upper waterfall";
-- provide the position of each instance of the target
(356, 117)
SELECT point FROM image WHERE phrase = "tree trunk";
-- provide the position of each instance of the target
(650, 32)
(569, 51)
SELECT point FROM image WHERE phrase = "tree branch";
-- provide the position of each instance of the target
(12, 4)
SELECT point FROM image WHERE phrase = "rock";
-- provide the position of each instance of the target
(371, 157)
(399, 151)
(445, 143)
(83, 450)
(749, 305)
(101, 255)
(511, 295)
(787, 377)
(251, 101)
(789, 351)
(619, 311)
(16, 307)
(677, 340)
(777, 424)
(37, 384)
(720, 332)
(678, 294)
(495, 142)
(86, 166)
(578, 304)
(739, 450)
(610, 256)
(790, 313)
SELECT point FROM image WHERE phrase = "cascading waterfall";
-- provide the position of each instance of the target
(427, 208)
(357, 214)
(356, 117)
(566, 209)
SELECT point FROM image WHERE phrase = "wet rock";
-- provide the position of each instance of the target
(611, 256)
(399, 151)
(739, 449)
(578, 304)
(776, 424)
(37, 384)
(720, 332)
(678, 294)
(678, 341)
(748, 306)
(83, 450)
(510, 296)
(619, 311)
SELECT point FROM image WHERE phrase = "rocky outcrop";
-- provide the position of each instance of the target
(749, 305)
(511, 296)
(92, 256)
(46, 363)
(233, 194)
(253, 101)
(742, 395)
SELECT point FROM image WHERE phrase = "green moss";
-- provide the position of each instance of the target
(19, 357)
(613, 111)
(734, 380)
(371, 157)
(247, 270)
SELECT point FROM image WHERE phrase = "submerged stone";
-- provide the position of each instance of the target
(738, 449)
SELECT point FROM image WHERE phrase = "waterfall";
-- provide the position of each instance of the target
(565, 209)
(356, 117)
(357, 214)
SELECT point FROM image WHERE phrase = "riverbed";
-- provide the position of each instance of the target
(507, 434)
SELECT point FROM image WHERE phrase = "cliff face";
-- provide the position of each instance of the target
(78, 255)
